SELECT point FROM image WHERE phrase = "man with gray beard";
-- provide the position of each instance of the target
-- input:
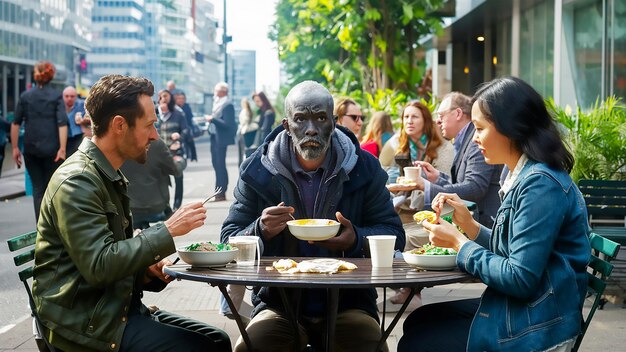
(310, 168)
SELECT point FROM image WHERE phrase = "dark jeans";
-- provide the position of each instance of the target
(178, 191)
(190, 149)
(72, 144)
(40, 171)
(439, 327)
(218, 158)
(171, 333)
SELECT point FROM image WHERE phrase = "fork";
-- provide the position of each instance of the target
(217, 191)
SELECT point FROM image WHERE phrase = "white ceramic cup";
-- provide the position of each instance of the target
(248, 249)
(381, 249)
(413, 173)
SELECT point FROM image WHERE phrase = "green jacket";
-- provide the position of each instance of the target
(87, 262)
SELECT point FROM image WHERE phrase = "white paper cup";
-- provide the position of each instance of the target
(381, 249)
(248, 249)
(413, 173)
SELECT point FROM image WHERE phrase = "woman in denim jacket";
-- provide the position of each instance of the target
(533, 260)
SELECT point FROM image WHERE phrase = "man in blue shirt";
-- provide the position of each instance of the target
(73, 108)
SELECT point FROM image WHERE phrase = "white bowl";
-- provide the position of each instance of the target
(431, 262)
(206, 259)
(313, 229)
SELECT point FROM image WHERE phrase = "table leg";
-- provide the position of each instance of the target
(233, 309)
(332, 295)
(395, 320)
(291, 315)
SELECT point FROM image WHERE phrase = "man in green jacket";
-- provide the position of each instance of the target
(90, 271)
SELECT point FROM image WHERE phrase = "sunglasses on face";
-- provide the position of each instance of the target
(356, 118)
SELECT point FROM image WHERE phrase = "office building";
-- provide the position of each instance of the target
(571, 50)
(30, 31)
(242, 77)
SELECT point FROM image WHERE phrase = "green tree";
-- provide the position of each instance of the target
(355, 46)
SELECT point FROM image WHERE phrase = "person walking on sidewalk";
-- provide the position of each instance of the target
(222, 130)
(90, 271)
(75, 110)
(42, 111)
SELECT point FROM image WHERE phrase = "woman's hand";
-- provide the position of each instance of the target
(461, 216)
(60, 155)
(444, 235)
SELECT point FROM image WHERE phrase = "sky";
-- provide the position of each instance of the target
(248, 22)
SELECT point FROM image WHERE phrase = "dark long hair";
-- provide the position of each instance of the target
(266, 102)
(171, 105)
(520, 114)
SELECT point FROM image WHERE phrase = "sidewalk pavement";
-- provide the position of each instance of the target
(201, 302)
(12, 184)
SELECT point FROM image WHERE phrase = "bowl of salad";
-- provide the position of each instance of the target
(431, 257)
(207, 254)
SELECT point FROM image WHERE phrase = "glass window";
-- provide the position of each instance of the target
(537, 46)
(588, 28)
(503, 48)
(618, 59)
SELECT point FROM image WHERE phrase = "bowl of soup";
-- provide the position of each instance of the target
(313, 229)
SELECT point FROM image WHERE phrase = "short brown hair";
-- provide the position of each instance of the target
(116, 95)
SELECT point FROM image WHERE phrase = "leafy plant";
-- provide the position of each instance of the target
(350, 45)
(597, 138)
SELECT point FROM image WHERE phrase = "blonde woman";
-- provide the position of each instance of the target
(348, 114)
(379, 130)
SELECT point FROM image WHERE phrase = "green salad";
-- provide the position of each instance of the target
(208, 247)
(429, 249)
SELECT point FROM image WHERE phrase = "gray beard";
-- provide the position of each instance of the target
(310, 153)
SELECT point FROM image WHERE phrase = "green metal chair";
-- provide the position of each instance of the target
(602, 252)
(26, 242)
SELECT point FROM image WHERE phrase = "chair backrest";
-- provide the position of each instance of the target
(26, 243)
(604, 198)
(602, 252)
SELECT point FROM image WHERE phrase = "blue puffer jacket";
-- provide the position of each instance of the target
(356, 188)
(533, 262)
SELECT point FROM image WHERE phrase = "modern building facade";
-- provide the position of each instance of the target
(158, 39)
(242, 76)
(119, 39)
(571, 50)
(33, 30)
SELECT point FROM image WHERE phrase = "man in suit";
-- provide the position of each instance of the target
(471, 178)
(222, 129)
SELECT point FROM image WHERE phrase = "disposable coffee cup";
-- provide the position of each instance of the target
(248, 249)
(413, 173)
(381, 250)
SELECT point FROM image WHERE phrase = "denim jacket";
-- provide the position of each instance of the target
(533, 262)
